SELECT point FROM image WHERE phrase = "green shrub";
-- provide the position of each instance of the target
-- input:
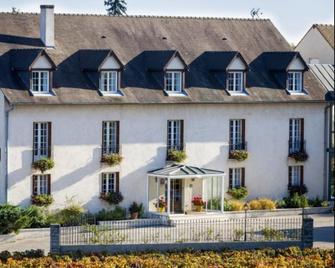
(31, 253)
(299, 189)
(42, 200)
(236, 205)
(227, 205)
(239, 193)
(118, 213)
(281, 203)
(12, 219)
(315, 202)
(177, 156)
(239, 155)
(5, 255)
(72, 214)
(296, 201)
(214, 204)
(137, 208)
(37, 216)
(325, 204)
(112, 159)
(272, 234)
(113, 198)
(44, 164)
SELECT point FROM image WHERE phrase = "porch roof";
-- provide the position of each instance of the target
(183, 171)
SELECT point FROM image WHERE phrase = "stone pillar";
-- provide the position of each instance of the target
(54, 238)
(307, 232)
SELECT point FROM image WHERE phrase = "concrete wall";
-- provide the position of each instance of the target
(314, 46)
(2, 149)
(76, 141)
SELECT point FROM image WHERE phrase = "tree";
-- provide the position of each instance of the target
(116, 7)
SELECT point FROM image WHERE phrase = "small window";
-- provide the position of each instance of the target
(40, 82)
(296, 135)
(175, 135)
(42, 140)
(110, 135)
(109, 81)
(173, 81)
(235, 81)
(295, 175)
(109, 181)
(236, 177)
(294, 82)
(237, 134)
(41, 184)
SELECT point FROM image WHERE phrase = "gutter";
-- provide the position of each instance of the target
(11, 107)
(327, 144)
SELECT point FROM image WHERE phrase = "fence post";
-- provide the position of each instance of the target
(307, 232)
(54, 238)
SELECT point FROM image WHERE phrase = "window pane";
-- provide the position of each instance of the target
(174, 134)
(177, 81)
(235, 81)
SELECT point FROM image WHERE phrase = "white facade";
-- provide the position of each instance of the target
(315, 49)
(76, 147)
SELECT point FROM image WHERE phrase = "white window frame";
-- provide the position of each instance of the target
(108, 180)
(174, 134)
(236, 177)
(42, 88)
(41, 140)
(110, 138)
(236, 131)
(235, 81)
(176, 86)
(42, 184)
(295, 134)
(109, 81)
(295, 81)
(295, 174)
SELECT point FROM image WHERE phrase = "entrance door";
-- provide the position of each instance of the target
(176, 195)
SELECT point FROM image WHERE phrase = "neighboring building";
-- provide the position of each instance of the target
(84, 86)
(317, 46)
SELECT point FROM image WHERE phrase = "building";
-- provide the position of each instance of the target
(80, 88)
(317, 47)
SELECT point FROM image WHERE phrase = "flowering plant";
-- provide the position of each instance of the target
(161, 203)
(197, 201)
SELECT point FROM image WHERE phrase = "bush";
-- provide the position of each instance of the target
(267, 203)
(227, 205)
(72, 214)
(239, 193)
(42, 200)
(255, 205)
(31, 253)
(44, 164)
(215, 204)
(12, 219)
(37, 216)
(118, 213)
(299, 156)
(296, 201)
(113, 198)
(177, 156)
(112, 159)
(325, 204)
(299, 189)
(136, 208)
(272, 234)
(315, 202)
(239, 155)
(236, 205)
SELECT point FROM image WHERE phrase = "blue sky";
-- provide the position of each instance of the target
(292, 17)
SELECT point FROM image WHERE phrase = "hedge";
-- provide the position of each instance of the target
(291, 257)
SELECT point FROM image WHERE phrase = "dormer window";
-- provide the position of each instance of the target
(235, 81)
(109, 82)
(294, 82)
(40, 82)
(174, 81)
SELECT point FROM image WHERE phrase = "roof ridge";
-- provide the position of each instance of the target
(323, 24)
(143, 16)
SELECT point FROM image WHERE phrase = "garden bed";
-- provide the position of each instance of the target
(291, 257)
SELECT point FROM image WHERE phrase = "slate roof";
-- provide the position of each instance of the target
(325, 74)
(200, 42)
(176, 170)
(327, 31)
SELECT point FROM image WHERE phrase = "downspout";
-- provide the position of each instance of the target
(327, 130)
(11, 107)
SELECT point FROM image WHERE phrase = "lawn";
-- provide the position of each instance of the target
(291, 257)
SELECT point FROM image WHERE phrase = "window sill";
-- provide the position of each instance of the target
(297, 93)
(175, 94)
(111, 94)
(235, 93)
(40, 94)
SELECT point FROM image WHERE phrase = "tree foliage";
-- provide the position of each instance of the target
(116, 7)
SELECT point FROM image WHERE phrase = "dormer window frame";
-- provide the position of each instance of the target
(295, 90)
(173, 72)
(48, 86)
(241, 90)
(118, 82)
